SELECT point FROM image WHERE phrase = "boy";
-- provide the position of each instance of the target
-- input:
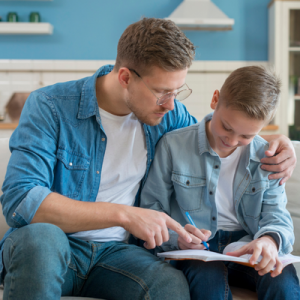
(212, 170)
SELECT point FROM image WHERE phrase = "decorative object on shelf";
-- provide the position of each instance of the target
(15, 105)
(295, 44)
(2, 116)
(12, 17)
(34, 17)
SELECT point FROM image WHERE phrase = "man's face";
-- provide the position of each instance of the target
(230, 128)
(141, 98)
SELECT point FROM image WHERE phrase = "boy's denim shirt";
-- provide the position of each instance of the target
(184, 177)
(59, 147)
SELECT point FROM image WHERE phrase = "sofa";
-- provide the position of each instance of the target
(293, 194)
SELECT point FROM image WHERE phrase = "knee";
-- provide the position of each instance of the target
(39, 240)
(172, 282)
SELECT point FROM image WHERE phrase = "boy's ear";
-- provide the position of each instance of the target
(215, 100)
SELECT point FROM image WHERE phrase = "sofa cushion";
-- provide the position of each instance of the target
(5, 155)
(293, 196)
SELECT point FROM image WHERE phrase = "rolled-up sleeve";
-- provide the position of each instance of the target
(275, 218)
(30, 172)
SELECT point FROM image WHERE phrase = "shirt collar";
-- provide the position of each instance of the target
(203, 144)
(88, 105)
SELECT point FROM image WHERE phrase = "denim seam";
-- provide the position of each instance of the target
(11, 287)
(226, 292)
(129, 275)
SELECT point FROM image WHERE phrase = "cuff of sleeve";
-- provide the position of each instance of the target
(276, 236)
(27, 208)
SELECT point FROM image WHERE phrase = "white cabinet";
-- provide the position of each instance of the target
(284, 56)
(25, 28)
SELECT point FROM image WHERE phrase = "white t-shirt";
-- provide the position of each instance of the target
(224, 194)
(123, 168)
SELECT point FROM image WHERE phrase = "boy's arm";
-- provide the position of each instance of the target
(275, 220)
(158, 189)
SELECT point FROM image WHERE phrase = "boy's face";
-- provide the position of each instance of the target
(141, 98)
(230, 128)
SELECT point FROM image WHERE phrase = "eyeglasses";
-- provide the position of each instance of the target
(179, 95)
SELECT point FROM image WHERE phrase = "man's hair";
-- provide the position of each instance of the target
(254, 90)
(154, 42)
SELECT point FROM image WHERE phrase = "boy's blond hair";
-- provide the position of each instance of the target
(254, 90)
(154, 42)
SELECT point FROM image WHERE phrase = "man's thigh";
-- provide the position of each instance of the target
(130, 272)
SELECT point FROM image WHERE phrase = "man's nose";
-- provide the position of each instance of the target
(169, 105)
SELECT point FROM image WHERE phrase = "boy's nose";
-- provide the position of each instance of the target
(232, 142)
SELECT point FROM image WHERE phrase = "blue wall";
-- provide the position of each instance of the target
(90, 29)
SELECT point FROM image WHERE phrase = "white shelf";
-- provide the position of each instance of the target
(294, 49)
(25, 28)
(297, 97)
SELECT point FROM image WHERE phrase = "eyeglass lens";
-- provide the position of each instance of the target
(181, 95)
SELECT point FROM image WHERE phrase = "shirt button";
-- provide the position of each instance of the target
(70, 164)
(98, 172)
(214, 218)
(210, 192)
(253, 189)
(14, 214)
(216, 167)
(103, 139)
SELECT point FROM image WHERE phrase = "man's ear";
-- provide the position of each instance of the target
(215, 100)
(124, 76)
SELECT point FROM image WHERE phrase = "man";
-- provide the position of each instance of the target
(80, 156)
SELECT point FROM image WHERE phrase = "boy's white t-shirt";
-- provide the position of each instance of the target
(123, 168)
(227, 220)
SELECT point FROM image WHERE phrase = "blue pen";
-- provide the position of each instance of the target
(192, 222)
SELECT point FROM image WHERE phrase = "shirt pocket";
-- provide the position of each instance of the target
(70, 172)
(189, 191)
(253, 198)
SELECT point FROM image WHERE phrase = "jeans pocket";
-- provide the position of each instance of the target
(188, 191)
(69, 171)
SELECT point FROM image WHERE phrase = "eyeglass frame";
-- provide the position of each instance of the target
(170, 93)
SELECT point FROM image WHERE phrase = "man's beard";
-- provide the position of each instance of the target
(142, 117)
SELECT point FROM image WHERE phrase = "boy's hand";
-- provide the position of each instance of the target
(267, 248)
(198, 235)
(284, 162)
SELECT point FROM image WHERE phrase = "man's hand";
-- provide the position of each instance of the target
(151, 226)
(197, 237)
(284, 161)
(267, 248)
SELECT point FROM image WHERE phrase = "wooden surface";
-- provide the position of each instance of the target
(270, 128)
(8, 125)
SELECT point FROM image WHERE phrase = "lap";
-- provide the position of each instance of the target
(124, 271)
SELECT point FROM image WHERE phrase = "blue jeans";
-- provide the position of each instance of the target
(41, 262)
(211, 280)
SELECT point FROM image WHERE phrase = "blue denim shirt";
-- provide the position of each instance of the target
(184, 177)
(59, 147)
